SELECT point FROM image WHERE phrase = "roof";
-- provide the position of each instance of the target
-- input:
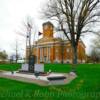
(48, 23)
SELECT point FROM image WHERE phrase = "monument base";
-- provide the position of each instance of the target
(27, 68)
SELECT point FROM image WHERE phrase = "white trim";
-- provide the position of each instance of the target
(68, 60)
(50, 45)
(47, 53)
(57, 60)
(37, 54)
(83, 61)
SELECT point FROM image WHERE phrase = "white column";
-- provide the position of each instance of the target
(49, 53)
(42, 54)
(37, 53)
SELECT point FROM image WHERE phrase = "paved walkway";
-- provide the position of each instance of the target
(34, 80)
(22, 79)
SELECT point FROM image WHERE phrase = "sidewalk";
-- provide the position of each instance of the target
(34, 79)
(23, 79)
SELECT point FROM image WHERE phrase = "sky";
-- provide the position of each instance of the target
(12, 15)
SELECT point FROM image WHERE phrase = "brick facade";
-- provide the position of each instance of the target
(55, 50)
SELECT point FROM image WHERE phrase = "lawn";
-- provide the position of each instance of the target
(85, 87)
(10, 67)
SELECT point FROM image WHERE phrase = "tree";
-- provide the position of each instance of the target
(95, 55)
(3, 55)
(96, 41)
(16, 50)
(75, 17)
(28, 29)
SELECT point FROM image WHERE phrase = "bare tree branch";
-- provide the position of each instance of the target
(75, 15)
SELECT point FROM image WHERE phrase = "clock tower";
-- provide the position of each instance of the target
(48, 30)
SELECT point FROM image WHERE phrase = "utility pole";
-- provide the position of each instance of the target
(28, 44)
(30, 59)
(16, 51)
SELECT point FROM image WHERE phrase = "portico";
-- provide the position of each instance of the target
(55, 50)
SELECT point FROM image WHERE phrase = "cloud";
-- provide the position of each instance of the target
(12, 14)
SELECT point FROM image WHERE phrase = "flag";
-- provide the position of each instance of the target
(29, 25)
(39, 33)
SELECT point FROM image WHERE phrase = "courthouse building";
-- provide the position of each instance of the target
(55, 50)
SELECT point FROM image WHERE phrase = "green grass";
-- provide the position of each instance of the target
(10, 67)
(85, 87)
(58, 67)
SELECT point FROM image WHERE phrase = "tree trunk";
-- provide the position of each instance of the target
(62, 51)
(74, 58)
(16, 58)
(75, 55)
